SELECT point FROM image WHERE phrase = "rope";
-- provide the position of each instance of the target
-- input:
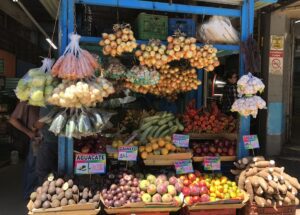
(54, 28)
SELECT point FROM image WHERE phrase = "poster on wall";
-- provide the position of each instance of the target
(276, 55)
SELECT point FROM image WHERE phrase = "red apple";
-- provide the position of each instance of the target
(203, 190)
(192, 177)
(188, 200)
(219, 150)
(204, 198)
(182, 177)
(198, 150)
(202, 183)
(194, 190)
(212, 149)
(186, 191)
(231, 151)
(196, 199)
(186, 182)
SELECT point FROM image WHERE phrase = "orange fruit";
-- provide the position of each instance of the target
(161, 143)
(141, 148)
(144, 155)
(164, 151)
(173, 149)
(168, 138)
(155, 146)
(168, 146)
(148, 148)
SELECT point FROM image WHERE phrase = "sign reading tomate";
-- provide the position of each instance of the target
(90, 163)
(212, 163)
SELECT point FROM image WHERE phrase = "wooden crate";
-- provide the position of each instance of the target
(223, 158)
(204, 136)
(253, 209)
(215, 209)
(142, 211)
(78, 209)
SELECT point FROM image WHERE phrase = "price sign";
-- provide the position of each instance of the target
(212, 163)
(181, 140)
(251, 141)
(110, 149)
(184, 166)
(128, 153)
(90, 163)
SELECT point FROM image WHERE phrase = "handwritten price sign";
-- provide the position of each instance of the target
(90, 163)
(251, 141)
(212, 163)
(181, 140)
(184, 166)
(127, 153)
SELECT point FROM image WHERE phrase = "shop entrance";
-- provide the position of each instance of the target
(295, 112)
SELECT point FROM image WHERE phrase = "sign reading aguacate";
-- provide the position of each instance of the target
(93, 163)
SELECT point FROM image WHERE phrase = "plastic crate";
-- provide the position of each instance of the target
(149, 26)
(253, 209)
(186, 26)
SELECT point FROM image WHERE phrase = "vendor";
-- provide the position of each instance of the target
(46, 161)
(23, 132)
(229, 92)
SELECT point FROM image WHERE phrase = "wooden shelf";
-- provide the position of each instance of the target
(223, 158)
(206, 136)
(141, 210)
(166, 160)
(216, 206)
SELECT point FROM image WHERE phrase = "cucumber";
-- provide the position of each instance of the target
(145, 134)
(180, 126)
(174, 129)
(165, 121)
(165, 133)
(150, 118)
(160, 130)
(170, 124)
(153, 131)
(148, 124)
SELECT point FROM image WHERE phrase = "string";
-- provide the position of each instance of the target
(118, 16)
(75, 25)
(54, 28)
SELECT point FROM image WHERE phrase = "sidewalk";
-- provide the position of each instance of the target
(11, 198)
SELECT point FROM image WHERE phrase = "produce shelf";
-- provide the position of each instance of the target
(140, 210)
(220, 47)
(205, 136)
(223, 158)
(216, 206)
(166, 160)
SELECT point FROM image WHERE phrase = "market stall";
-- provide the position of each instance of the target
(143, 160)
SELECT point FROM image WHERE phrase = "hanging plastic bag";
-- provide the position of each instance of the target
(247, 106)
(249, 85)
(218, 29)
(75, 63)
(31, 87)
(115, 70)
(142, 75)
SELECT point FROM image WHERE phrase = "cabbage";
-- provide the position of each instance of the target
(48, 90)
(36, 103)
(38, 81)
(23, 95)
(35, 72)
(22, 85)
(49, 79)
(37, 95)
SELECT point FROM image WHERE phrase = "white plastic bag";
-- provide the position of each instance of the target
(218, 30)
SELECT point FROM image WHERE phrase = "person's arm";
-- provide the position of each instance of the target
(16, 123)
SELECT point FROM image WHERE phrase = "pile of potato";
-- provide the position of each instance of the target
(153, 54)
(122, 40)
(267, 185)
(58, 193)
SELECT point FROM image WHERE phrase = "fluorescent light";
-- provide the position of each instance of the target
(297, 21)
(51, 43)
(15, 0)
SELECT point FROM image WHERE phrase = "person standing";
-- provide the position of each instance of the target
(47, 155)
(23, 132)
(229, 92)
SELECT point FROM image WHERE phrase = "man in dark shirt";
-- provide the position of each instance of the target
(229, 92)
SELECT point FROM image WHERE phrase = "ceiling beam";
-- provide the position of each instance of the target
(14, 11)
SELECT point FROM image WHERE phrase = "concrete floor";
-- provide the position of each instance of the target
(11, 195)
